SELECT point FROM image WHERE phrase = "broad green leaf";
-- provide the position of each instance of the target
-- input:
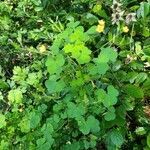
(141, 77)
(2, 121)
(116, 138)
(144, 9)
(134, 91)
(15, 96)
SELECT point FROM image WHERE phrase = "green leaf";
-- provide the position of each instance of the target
(72, 146)
(79, 35)
(90, 125)
(54, 86)
(144, 9)
(116, 138)
(107, 54)
(111, 97)
(93, 124)
(134, 91)
(109, 116)
(2, 121)
(15, 96)
(83, 126)
(148, 140)
(75, 111)
(78, 51)
(101, 94)
(54, 63)
(92, 30)
(3, 84)
(34, 119)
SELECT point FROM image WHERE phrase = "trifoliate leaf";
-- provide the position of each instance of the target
(78, 51)
(54, 86)
(75, 111)
(54, 63)
(79, 35)
(90, 125)
(107, 54)
(111, 97)
(112, 91)
(93, 124)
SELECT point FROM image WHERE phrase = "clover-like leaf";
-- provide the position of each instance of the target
(2, 121)
(15, 96)
(54, 63)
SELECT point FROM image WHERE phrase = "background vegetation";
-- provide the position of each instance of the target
(74, 75)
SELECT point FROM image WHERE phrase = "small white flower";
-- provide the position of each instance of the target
(131, 17)
(116, 7)
(116, 17)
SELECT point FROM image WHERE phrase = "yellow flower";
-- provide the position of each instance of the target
(100, 26)
(125, 29)
(101, 22)
(42, 48)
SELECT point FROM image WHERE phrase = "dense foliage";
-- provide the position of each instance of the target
(74, 75)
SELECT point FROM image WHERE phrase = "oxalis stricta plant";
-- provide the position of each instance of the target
(75, 76)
